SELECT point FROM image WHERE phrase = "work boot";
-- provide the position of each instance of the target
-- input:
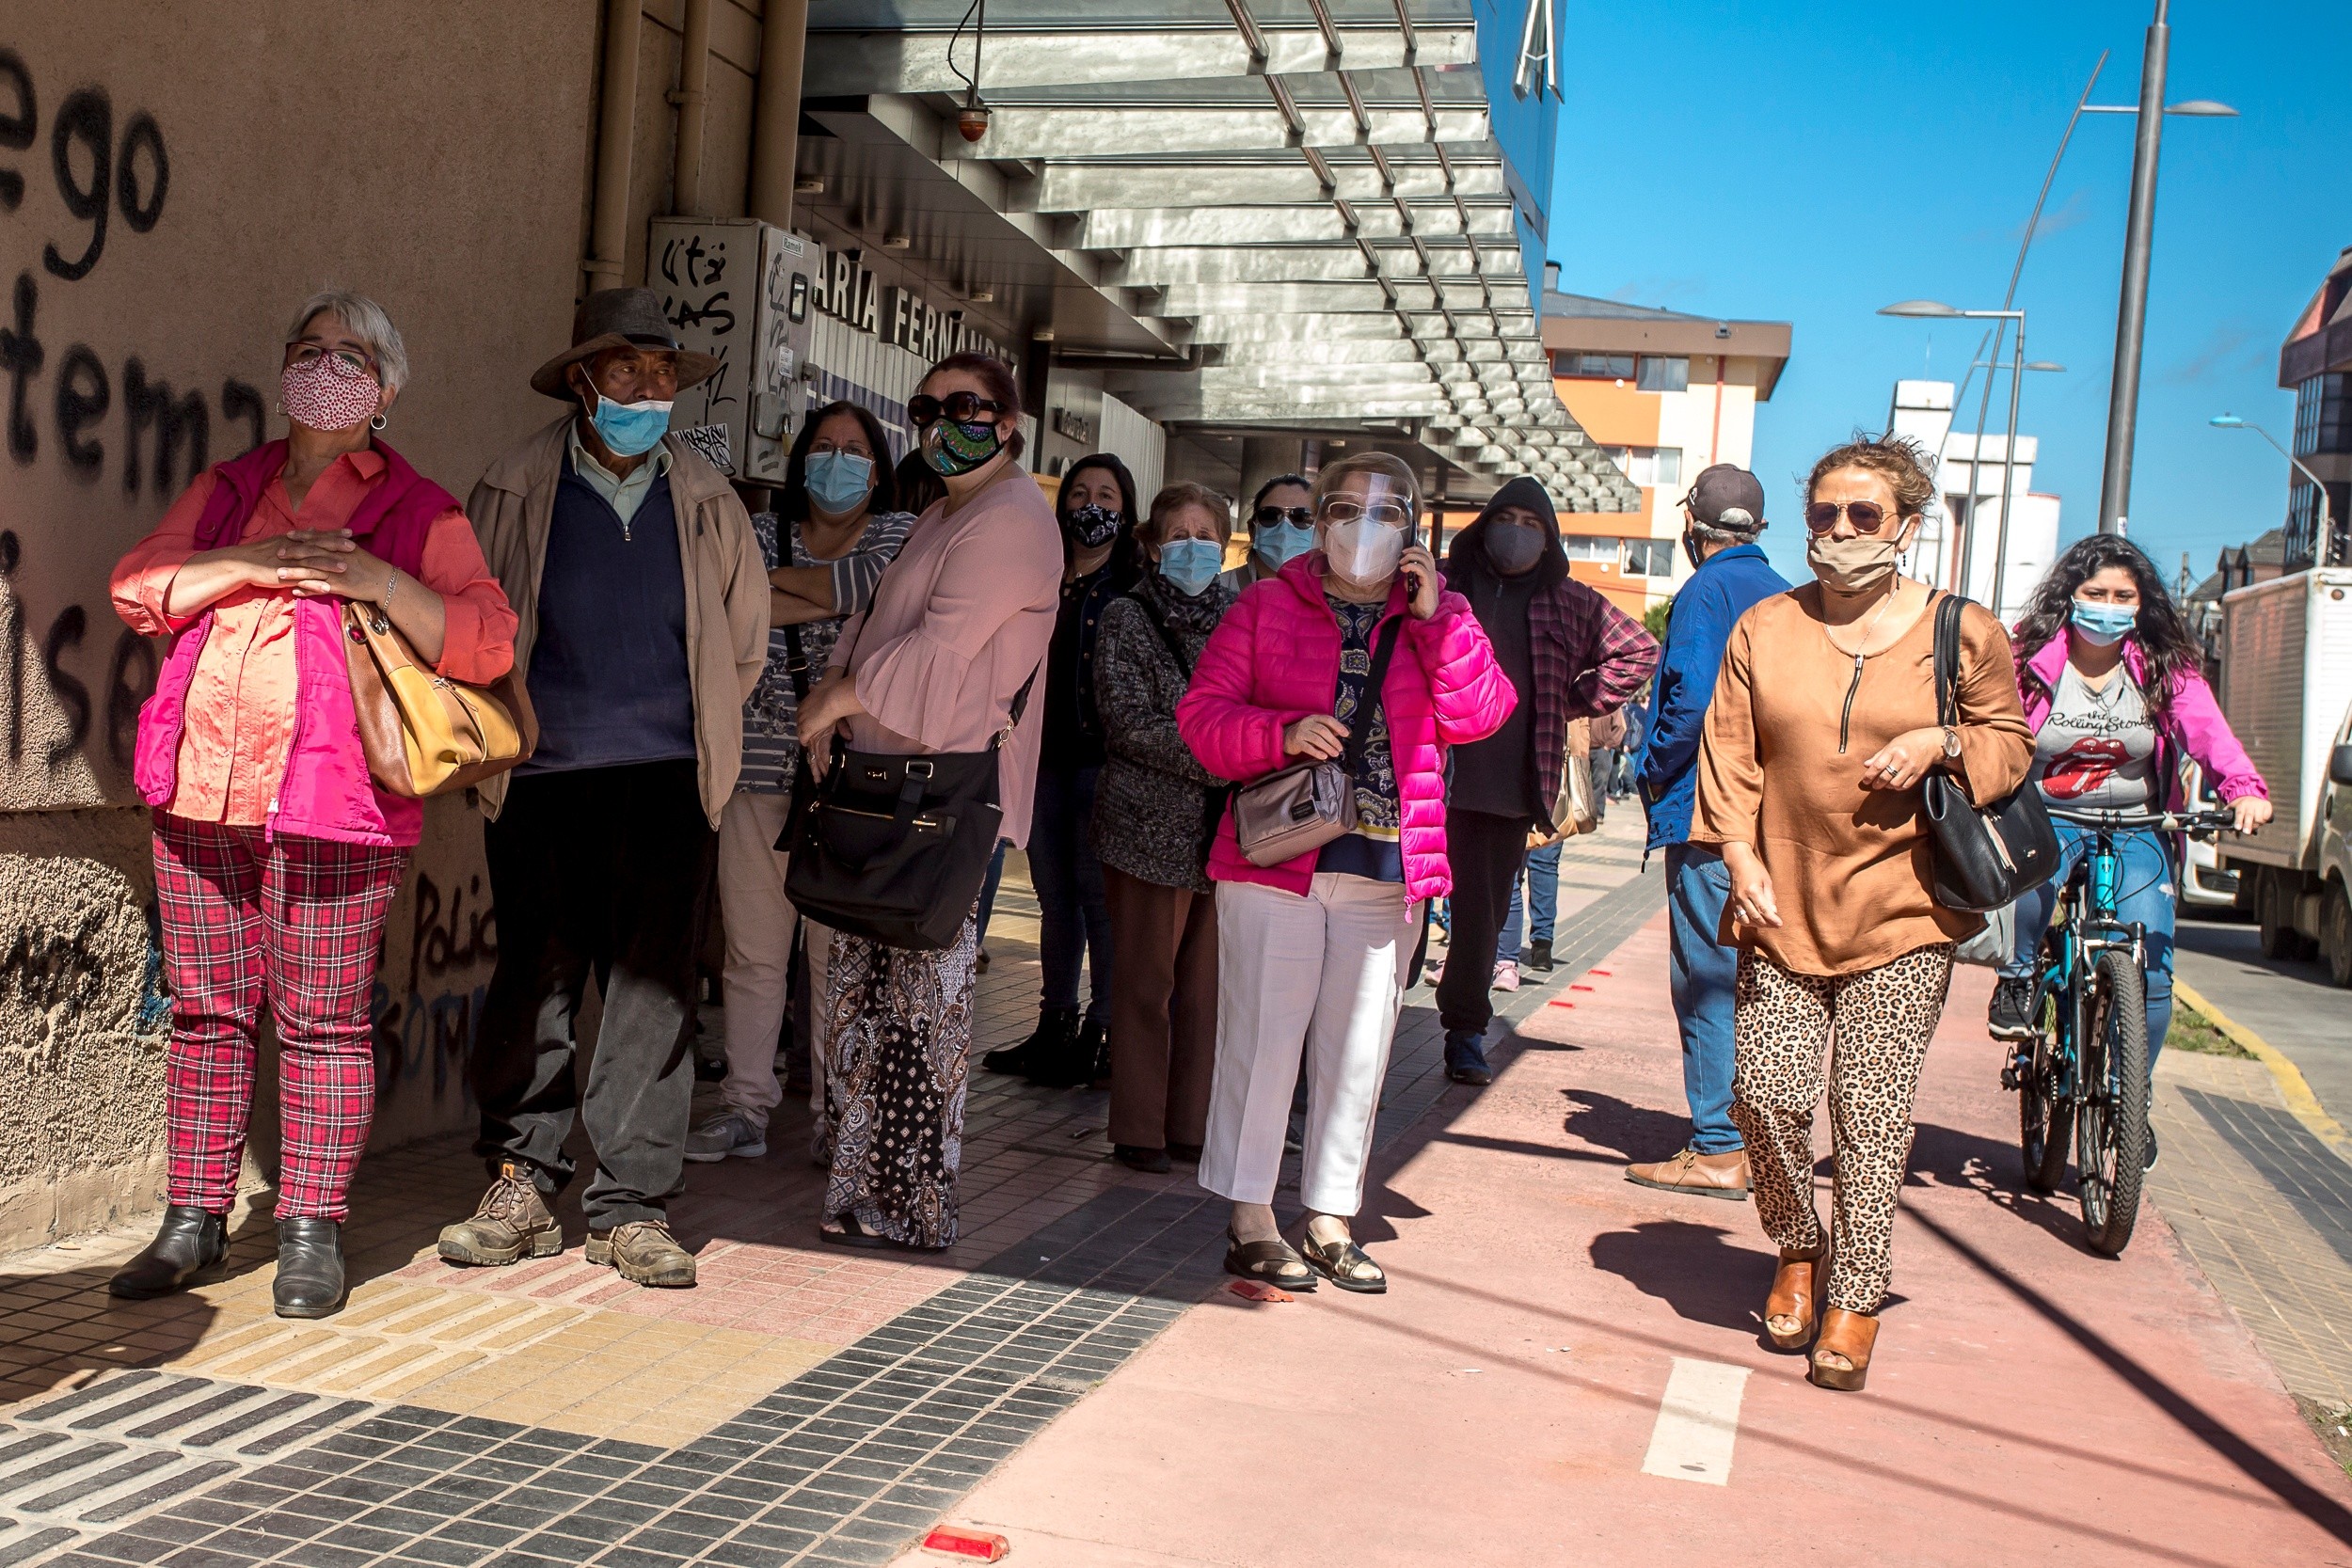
(1084, 1054)
(1539, 956)
(1056, 1028)
(1465, 1058)
(191, 1247)
(1724, 1176)
(512, 1222)
(2010, 1015)
(309, 1281)
(644, 1252)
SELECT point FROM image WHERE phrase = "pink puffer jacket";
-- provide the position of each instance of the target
(1274, 659)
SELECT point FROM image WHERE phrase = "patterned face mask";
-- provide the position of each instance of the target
(951, 448)
(327, 394)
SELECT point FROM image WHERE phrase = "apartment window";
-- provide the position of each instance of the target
(1663, 374)
(2323, 415)
(1593, 366)
(1585, 547)
(1649, 557)
(1649, 466)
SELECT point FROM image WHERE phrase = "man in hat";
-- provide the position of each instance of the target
(1721, 516)
(644, 608)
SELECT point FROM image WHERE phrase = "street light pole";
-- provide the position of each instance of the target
(2008, 465)
(2327, 542)
(2115, 482)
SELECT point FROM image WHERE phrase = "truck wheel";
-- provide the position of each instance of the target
(2335, 941)
(2274, 913)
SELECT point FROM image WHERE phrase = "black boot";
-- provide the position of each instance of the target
(1539, 956)
(190, 1248)
(1056, 1028)
(309, 1269)
(1074, 1066)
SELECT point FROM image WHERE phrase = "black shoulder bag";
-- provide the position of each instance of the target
(1985, 856)
(1213, 799)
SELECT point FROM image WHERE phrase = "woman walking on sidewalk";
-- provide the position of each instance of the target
(276, 855)
(941, 663)
(1822, 726)
(1360, 634)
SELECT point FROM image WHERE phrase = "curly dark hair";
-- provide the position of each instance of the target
(2161, 631)
(792, 498)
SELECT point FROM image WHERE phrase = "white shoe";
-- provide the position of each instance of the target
(1507, 976)
(728, 1133)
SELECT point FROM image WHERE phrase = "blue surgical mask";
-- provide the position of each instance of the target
(629, 429)
(1191, 564)
(2103, 624)
(1277, 543)
(838, 481)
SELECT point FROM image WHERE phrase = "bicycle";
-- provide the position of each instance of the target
(2085, 1070)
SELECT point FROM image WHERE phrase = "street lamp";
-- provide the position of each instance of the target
(1930, 309)
(2326, 509)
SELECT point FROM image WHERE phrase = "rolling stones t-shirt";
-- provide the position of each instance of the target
(2098, 750)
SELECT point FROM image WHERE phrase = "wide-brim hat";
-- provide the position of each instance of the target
(620, 318)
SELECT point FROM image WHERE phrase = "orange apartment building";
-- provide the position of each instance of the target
(1666, 394)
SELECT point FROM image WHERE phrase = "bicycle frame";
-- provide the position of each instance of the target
(2071, 947)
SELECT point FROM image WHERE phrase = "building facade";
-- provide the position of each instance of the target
(1961, 541)
(2315, 362)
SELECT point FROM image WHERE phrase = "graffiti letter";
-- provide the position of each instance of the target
(85, 115)
(241, 401)
(141, 215)
(66, 632)
(83, 395)
(21, 356)
(16, 130)
(144, 404)
(126, 692)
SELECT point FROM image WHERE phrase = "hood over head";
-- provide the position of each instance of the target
(1466, 558)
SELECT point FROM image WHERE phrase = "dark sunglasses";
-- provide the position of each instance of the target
(1297, 516)
(1867, 516)
(923, 410)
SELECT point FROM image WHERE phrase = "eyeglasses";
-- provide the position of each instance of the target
(349, 358)
(923, 410)
(1339, 509)
(1867, 516)
(1297, 516)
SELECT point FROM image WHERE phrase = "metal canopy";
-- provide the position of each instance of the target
(1296, 207)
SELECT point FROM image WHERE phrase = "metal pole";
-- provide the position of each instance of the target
(776, 111)
(2008, 464)
(2131, 322)
(616, 130)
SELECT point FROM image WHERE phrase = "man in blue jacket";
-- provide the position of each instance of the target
(1721, 516)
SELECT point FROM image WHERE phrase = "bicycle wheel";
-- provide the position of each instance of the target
(2111, 1130)
(2045, 1120)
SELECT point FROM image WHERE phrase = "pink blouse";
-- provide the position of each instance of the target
(962, 619)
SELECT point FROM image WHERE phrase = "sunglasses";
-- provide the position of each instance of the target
(1867, 516)
(1297, 516)
(923, 410)
(349, 358)
(1341, 509)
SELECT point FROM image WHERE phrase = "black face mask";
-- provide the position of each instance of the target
(1090, 528)
(1690, 550)
(1512, 550)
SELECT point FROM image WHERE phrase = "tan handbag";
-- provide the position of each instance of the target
(1572, 808)
(424, 734)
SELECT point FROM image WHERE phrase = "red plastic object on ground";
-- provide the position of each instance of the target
(1258, 1290)
(974, 1544)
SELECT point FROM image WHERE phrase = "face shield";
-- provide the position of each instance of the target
(1363, 524)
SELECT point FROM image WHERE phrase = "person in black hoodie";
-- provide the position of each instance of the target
(1570, 654)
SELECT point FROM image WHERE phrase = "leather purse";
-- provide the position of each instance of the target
(424, 734)
(1984, 856)
(1298, 809)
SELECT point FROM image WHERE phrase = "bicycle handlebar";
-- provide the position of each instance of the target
(2194, 823)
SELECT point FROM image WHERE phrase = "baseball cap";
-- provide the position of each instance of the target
(1729, 498)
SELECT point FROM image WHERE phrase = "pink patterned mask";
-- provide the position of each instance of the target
(327, 394)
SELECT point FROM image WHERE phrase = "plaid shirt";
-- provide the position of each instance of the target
(1589, 658)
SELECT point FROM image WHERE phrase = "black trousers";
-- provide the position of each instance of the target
(1484, 851)
(606, 869)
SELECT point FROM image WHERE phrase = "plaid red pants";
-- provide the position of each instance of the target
(298, 922)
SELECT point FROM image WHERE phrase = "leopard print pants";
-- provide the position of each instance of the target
(1883, 1018)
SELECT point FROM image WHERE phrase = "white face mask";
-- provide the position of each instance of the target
(1363, 552)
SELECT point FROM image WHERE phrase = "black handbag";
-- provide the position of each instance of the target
(1985, 856)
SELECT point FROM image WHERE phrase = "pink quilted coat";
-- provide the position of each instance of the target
(1274, 659)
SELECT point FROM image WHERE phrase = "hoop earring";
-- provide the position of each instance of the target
(377, 421)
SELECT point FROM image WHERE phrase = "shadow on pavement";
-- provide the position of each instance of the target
(1633, 1131)
(1693, 1268)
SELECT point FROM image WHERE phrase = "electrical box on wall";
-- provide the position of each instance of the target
(737, 290)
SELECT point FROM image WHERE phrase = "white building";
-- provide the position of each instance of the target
(1967, 518)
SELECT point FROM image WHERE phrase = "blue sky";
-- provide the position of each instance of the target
(1810, 162)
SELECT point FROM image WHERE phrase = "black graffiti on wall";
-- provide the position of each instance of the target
(130, 677)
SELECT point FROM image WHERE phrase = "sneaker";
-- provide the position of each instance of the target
(1723, 1175)
(1048, 1042)
(1539, 956)
(2010, 1017)
(2150, 1162)
(728, 1133)
(1466, 1059)
(644, 1252)
(511, 1222)
(1507, 976)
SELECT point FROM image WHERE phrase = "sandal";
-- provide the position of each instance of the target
(1270, 1262)
(854, 1234)
(1849, 1336)
(1795, 1284)
(1344, 1264)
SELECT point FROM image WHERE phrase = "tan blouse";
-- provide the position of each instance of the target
(1780, 769)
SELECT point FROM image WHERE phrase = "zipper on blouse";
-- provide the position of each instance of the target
(1845, 714)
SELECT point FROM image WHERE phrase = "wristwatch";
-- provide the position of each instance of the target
(1952, 743)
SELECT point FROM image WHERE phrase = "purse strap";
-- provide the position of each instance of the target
(1947, 612)
(1361, 736)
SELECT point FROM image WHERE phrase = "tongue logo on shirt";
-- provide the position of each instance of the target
(2083, 766)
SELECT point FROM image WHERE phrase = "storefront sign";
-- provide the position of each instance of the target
(848, 292)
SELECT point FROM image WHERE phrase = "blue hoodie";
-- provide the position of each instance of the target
(1698, 629)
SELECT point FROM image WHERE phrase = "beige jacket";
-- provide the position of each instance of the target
(726, 590)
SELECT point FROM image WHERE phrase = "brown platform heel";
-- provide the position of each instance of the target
(1849, 1335)
(1795, 1285)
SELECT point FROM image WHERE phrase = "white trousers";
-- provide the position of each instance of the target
(760, 921)
(1324, 975)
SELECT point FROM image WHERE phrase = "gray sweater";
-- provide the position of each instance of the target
(1150, 804)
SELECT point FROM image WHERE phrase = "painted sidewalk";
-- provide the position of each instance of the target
(1503, 1403)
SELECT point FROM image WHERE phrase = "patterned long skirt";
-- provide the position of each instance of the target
(898, 1048)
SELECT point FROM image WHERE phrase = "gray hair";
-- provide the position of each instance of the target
(367, 320)
(1734, 528)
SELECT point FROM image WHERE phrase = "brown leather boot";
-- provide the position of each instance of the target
(511, 1222)
(645, 1253)
(1724, 1176)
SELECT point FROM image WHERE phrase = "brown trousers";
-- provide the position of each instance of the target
(1163, 1024)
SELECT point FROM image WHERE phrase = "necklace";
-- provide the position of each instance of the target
(1845, 714)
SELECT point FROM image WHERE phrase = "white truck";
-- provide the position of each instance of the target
(2286, 689)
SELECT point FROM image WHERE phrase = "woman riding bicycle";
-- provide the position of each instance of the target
(2111, 684)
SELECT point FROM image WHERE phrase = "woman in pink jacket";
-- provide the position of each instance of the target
(1312, 952)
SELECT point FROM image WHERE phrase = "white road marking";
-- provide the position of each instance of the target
(1698, 1420)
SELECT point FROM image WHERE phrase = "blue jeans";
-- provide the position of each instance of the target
(1074, 921)
(1702, 972)
(2146, 890)
(1543, 901)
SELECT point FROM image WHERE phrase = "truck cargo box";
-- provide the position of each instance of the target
(2286, 681)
